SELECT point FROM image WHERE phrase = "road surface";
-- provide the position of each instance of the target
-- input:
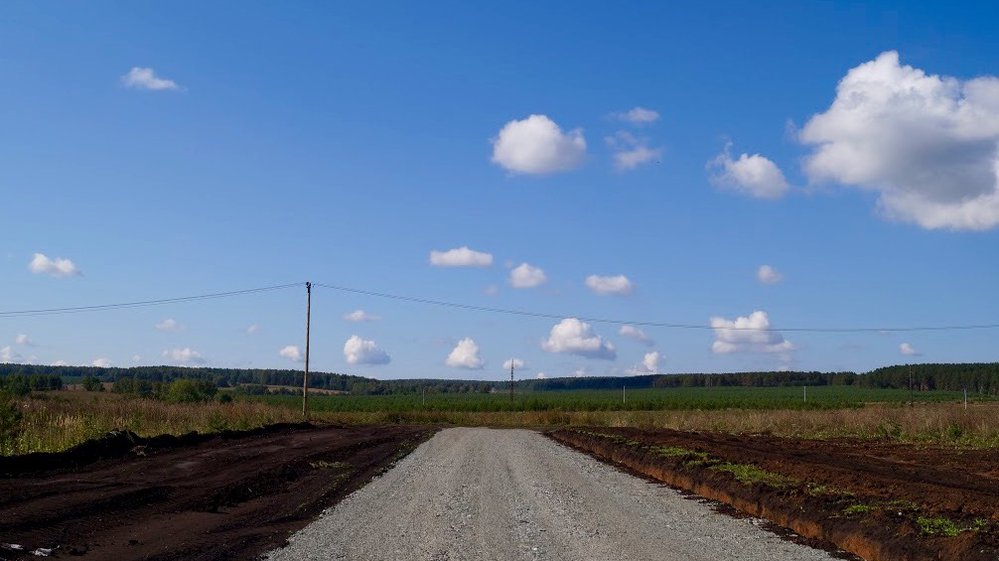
(485, 494)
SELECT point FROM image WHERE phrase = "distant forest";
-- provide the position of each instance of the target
(982, 378)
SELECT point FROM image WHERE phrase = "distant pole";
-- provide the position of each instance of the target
(966, 398)
(511, 380)
(624, 394)
(424, 396)
(308, 322)
(804, 393)
(911, 398)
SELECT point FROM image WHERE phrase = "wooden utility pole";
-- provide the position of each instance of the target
(308, 322)
(511, 380)
(911, 400)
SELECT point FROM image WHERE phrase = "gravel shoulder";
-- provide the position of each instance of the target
(485, 494)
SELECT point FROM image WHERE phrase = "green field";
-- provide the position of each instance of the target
(665, 399)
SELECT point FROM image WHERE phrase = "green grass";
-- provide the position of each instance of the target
(665, 399)
(937, 526)
(749, 475)
(859, 509)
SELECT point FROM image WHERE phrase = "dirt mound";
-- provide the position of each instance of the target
(220, 496)
(882, 501)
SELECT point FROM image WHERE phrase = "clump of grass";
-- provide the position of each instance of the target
(749, 474)
(937, 526)
(323, 464)
(857, 510)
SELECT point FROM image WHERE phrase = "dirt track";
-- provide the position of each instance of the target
(482, 494)
(193, 498)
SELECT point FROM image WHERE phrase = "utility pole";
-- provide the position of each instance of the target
(624, 394)
(911, 402)
(804, 394)
(308, 324)
(511, 380)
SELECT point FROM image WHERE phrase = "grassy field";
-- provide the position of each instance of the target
(51, 421)
(666, 399)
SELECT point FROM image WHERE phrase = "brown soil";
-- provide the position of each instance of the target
(865, 497)
(225, 496)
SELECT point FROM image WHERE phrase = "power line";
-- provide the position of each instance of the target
(143, 303)
(665, 325)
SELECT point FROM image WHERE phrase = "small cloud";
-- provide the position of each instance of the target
(491, 290)
(637, 116)
(292, 352)
(541, 376)
(908, 350)
(516, 363)
(23, 339)
(527, 276)
(169, 324)
(649, 365)
(185, 355)
(361, 351)
(631, 151)
(572, 336)
(748, 334)
(358, 316)
(619, 285)
(768, 275)
(60, 363)
(9, 355)
(101, 363)
(753, 175)
(59, 267)
(136, 358)
(139, 78)
(460, 257)
(465, 355)
(536, 145)
(252, 329)
(632, 332)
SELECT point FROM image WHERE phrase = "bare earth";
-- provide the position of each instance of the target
(481, 494)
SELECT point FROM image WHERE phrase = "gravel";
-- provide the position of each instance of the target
(485, 494)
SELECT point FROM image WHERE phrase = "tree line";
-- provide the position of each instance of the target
(981, 378)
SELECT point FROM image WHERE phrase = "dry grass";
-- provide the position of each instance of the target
(58, 420)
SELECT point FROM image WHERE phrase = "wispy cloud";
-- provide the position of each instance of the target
(140, 78)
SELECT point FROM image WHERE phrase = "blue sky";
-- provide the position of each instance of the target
(666, 151)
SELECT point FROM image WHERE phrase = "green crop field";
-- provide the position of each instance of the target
(713, 398)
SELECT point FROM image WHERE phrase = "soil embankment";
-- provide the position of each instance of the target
(881, 501)
(194, 497)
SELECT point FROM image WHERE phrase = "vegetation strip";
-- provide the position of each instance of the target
(867, 525)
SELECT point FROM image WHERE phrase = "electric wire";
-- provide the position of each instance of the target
(144, 303)
(658, 324)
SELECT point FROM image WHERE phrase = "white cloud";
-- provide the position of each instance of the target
(58, 267)
(186, 355)
(8, 354)
(460, 257)
(359, 316)
(292, 352)
(101, 362)
(908, 350)
(362, 351)
(515, 362)
(927, 145)
(252, 329)
(638, 116)
(136, 358)
(768, 275)
(610, 285)
(572, 336)
(465, 355)
(632, 332)
(753, 175)
(491, 290)
(169, 324)
(649, 365)
(527, 276)
(23, 339)
(146, 79)
(541, 376)
(630, 151)
(60, 363)
(748, 334)
(537, 145)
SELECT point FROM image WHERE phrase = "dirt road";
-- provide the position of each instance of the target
(482, 494)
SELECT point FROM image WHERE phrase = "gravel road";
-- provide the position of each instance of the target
(484, 494)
